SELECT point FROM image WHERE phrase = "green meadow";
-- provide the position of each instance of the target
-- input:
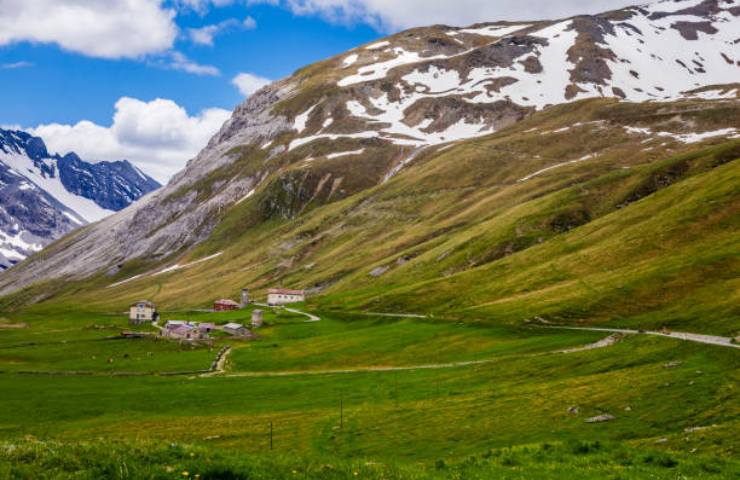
(417, 398)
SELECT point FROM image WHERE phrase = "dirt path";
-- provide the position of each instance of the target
(311, 317)
(604, 342)
(690, 337)
(218, 367)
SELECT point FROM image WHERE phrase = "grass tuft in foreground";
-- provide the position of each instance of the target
(32, 459)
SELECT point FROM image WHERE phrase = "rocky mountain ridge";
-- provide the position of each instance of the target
(357, 120)
(44, 196)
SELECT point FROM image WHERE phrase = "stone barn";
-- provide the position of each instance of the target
(236, 329)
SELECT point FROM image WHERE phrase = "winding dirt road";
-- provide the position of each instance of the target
(690, 337)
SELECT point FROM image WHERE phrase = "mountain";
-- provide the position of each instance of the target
(416, 172)
(44, 196)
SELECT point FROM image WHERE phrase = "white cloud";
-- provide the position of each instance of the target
(249, 23)
(177, 61)
(157, 136)
(248, 83)
(395, 14)
(200, 6)
(16, 65)
(99, 28)
(205, 35)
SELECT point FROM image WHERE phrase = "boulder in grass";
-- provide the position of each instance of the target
(601, 418)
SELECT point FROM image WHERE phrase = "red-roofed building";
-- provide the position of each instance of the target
(225, 305)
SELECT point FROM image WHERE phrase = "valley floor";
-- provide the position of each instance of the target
(364, 396)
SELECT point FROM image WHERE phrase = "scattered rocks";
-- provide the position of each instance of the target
(378, 271)
(627, 408)
(672, 364)
(573, 410)
(601, 418)
(661, 441)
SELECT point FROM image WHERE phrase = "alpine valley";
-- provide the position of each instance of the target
(498, 229)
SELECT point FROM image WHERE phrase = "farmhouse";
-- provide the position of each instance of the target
(224, 305)
(141, 312)
(282, 296)
(236, 329)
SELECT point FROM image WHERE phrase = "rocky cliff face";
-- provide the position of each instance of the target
(44, 196)
(354, 121)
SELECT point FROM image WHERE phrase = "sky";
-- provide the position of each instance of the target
(151, 81)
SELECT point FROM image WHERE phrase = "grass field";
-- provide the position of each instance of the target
(521, 414)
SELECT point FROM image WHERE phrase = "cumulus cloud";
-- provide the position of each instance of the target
(157, 136)
(205, 35)
(248, 83)
(389, 15)
(100, 28)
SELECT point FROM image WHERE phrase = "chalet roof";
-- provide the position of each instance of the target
(181, 330)
(205, 325)
(226, 301)
(233, 326)
(145, 302)
(285, 291)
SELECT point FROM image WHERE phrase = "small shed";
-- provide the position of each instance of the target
(236, 329)
(224, 305)
(142, 312)
(257, 318)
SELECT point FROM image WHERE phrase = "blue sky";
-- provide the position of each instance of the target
(152, 80)
(66, 87)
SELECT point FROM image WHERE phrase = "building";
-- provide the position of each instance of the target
(257, 318)
(282, 296)
(236, 329)
(225, 305)
(141, 312)
(207, 327)
(245, 297)
(183, 331)
(172, 324)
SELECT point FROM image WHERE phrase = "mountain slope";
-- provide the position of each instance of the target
(375, 172)
(44, 196)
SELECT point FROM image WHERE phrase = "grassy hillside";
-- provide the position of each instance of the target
(570, 216)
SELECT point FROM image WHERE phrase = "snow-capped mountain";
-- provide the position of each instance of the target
(355, 121)
(438, 84)
(44, 196)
